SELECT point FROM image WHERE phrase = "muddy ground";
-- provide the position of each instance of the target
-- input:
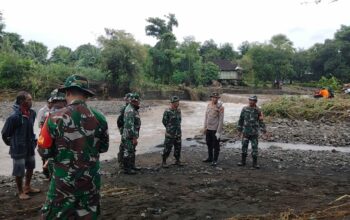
(290, 182)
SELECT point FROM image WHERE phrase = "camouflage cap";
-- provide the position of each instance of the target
(174, 99)
(253, 98)
(57, 96)
(79, 82)
(134, 97)
(215, 95)
(127, 96)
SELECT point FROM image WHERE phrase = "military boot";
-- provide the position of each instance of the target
(128, 167)
(133, 164)
(178, 162)
(164, 165)
(255, 162)
(243, 160)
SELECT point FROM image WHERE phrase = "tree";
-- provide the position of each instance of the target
(158, 26)
(209, 51)
(87, 55)
(271, 63)
(210, 73)
(122, 57)
(189, 63)
(36, 51)
(281, 42)
(163, 54)
(13, 69)
(301, 65)
(227, 52)
(243, 48)
(61, 54)
(12, 42)
(2, 27)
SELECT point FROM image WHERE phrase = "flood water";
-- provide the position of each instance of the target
(152, 129)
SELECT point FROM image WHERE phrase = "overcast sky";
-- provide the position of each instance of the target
(75, 22)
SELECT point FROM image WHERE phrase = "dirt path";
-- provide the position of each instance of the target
(297, 180)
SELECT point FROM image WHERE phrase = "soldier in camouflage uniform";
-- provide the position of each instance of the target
(77, 134)
(58, 101)
(249, 124)
(172, 123)
(132, 125)
(120, 123)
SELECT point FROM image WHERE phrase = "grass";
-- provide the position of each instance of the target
(305, 108)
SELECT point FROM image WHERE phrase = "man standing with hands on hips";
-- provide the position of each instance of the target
(213, 127)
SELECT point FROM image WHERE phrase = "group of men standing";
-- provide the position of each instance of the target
(249, 125)
(73, 135)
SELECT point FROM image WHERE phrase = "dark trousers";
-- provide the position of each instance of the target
(168, 145)
(213, 145)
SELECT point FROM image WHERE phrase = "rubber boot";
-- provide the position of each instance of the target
(255, 162)
(127, 167)
(243, 160)
(164, 165)
(133, 165)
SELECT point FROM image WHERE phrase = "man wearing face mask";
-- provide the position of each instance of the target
(213, 124)
(18, 133)
(249, 124)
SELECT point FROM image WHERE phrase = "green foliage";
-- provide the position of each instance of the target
(211, 72)
(13, 69)
(301, 108)
(12, 42)
(36, 51)
(180, 77)
(272, 61)
(61, 54)
(157, 27)
(209, 51)
(227, 52)
(45, 78)
(332, 83)
(122, 57)
(87, 55)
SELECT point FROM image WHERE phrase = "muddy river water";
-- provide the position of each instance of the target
(152, 130)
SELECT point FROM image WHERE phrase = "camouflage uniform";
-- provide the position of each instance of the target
(250, 122)
(131, 129)
(79, 134)
(55, 97)
(172, 123)
(120, 123)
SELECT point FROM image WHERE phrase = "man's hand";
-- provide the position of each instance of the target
(240, 135)
(204, 131)
(218, 135)
(134, 141)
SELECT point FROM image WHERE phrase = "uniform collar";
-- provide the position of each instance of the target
(77, 102)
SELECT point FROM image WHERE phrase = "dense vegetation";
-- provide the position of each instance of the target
(303, 108)
(125, 64)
